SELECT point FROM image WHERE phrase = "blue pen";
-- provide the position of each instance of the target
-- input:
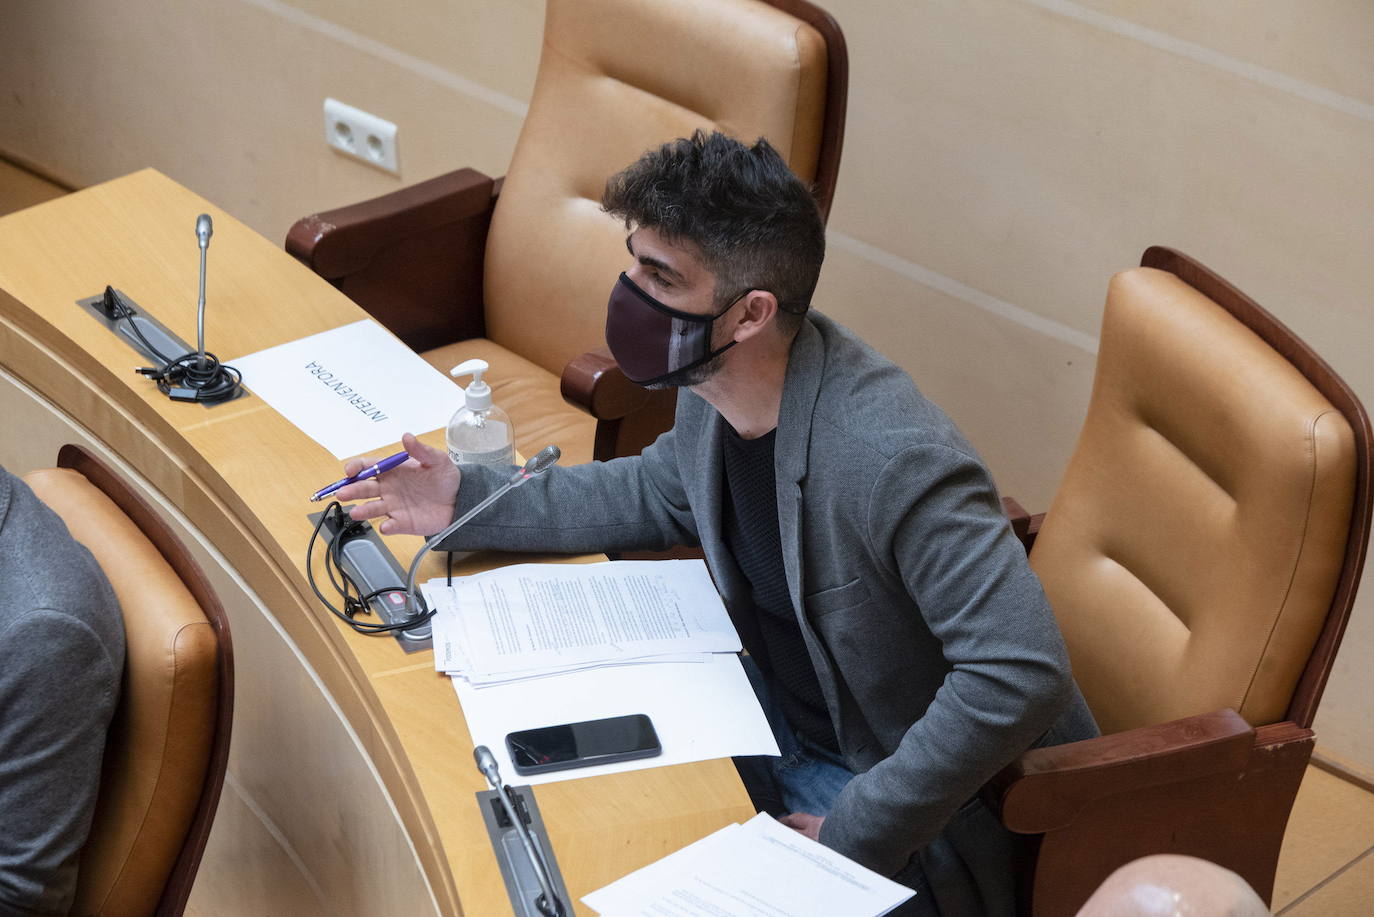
(371, 471)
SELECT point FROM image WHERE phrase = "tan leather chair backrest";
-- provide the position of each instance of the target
(159, 742)
(617, 77)
(1192, 551)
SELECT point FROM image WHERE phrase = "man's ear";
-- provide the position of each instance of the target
(757, 312)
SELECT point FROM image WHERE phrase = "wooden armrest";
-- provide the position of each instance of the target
(593, 382)
(1023, 525)
(414, 259)
(340, 242)
(628, 416)
(1045, 788)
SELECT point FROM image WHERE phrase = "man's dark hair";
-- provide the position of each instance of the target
(757, 226)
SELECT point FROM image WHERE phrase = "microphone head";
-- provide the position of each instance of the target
(540, 463)
(486, 763)
(543, 460)
(204, 229)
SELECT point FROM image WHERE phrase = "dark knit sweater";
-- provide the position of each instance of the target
(773, 637)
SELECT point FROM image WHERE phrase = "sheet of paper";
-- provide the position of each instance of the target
(530, 617)
(758, 869)
(488, 680)
(351, 389)
(700, 711)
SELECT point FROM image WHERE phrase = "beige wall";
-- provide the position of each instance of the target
(1003, 158)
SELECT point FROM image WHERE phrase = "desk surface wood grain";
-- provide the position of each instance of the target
(244, 474)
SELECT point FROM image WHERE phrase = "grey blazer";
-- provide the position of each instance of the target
(937, 653)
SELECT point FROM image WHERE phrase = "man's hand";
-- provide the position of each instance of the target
(810, 825)
(417, 495)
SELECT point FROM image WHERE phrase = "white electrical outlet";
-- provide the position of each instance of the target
(361, 135)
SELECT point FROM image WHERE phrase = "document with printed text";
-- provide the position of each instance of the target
(534, 619)
(534, 645)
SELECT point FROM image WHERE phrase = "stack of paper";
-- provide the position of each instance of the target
(533, 620)
(758, 868)
(543, 644)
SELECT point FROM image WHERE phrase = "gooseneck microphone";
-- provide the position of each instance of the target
(548, 901)
(541, 462)
(198, 375)
(204, 229)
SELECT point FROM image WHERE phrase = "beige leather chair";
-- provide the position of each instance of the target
(1201, 555)
(169, 740)
(518, 271)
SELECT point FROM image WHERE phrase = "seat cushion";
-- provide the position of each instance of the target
(159, 741)
(1192, 551)
(529, 394)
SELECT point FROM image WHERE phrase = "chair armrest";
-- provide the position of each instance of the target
(414, 259)
(628, 416)
(1046, 788)
(1023, 525)
(593, 382)
(336, 243)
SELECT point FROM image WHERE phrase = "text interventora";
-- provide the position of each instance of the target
(354, 389)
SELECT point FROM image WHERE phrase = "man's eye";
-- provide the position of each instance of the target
(661, 280)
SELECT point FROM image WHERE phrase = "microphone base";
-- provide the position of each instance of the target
(371, 565)
(522, 884)
(108, 312)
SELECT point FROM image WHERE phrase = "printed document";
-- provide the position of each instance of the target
(351, 389)
(758, 869)
(536, 645)
(533, 619)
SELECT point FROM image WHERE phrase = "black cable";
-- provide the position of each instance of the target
(333, 561)
(182, 378)
(118, 309)
(353, 605)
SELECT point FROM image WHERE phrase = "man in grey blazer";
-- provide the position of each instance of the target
(900, 641)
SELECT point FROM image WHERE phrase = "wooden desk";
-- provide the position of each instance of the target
(351, 778)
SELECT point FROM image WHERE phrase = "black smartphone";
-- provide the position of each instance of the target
(556, 748)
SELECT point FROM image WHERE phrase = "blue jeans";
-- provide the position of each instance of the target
(805, 778)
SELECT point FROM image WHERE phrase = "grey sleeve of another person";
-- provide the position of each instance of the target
(58, 690)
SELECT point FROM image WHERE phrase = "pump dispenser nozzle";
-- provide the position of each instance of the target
(478, 392)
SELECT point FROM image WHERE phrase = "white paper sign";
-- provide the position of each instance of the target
(352, 389)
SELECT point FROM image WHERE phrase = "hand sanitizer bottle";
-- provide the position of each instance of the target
(479, 433)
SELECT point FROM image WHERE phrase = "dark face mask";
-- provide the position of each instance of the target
(652, 342)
